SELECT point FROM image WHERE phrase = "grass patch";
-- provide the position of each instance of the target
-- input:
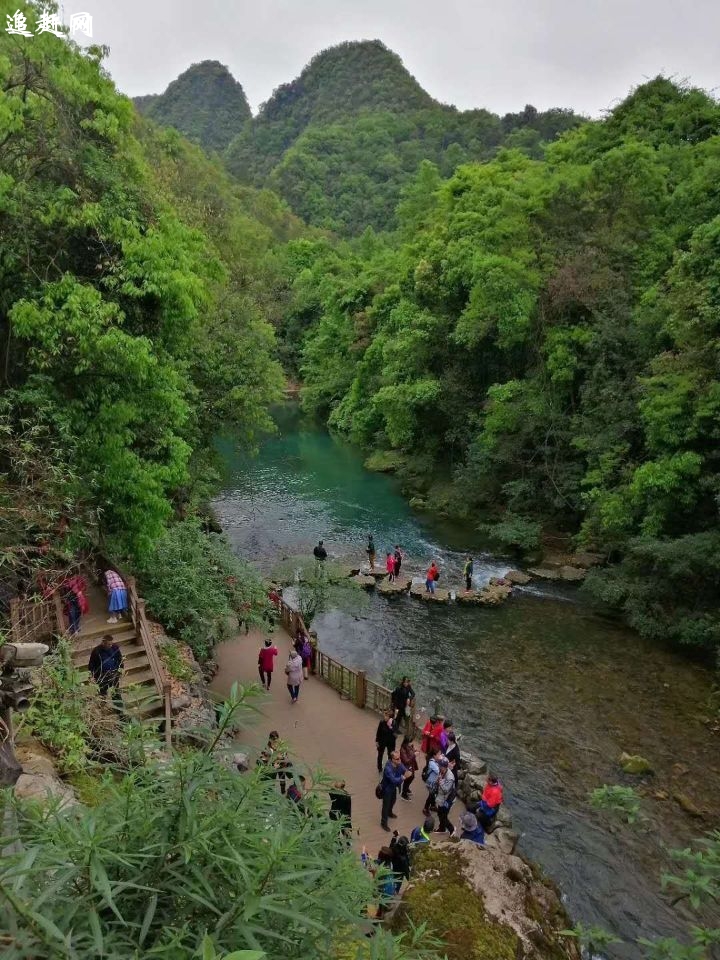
(384, 461)
(442, 898)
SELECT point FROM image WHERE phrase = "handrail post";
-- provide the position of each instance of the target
(361, 689)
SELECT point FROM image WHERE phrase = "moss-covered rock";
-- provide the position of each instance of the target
(484, 905)
(384, 461)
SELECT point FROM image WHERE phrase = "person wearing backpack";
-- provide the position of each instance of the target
(431, 775)
(445, 797)
(421, 835)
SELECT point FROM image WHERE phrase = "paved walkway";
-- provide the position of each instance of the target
(323, 731)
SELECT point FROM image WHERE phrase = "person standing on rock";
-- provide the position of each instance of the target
(468, 574)
(371, 552)
(294, 672)
(446, 793)
(320, 553)
(392, 778)
(431, 577)
(266, 662)
(105, 666)
(390, 567)
(397, 561)
(492, 798)
(385, 738)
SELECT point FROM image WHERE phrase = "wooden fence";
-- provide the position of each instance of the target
(34, 620)
(142, 631)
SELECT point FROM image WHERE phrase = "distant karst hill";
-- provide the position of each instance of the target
(206, 103)
(341, 141)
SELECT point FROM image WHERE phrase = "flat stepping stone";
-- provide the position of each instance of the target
(396, 587)
(565, 572)
(518, 577)
(367, 583)
(440, 596)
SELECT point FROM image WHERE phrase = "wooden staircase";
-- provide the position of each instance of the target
(137, 684)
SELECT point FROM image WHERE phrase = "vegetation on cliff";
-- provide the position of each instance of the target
(542, 335)
(205, 103)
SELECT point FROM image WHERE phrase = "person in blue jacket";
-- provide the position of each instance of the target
(421, 834)
(471, 829)
(392, 778)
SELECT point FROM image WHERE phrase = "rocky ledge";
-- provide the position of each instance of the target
(388, 589)
(497, 591)
(484, 904)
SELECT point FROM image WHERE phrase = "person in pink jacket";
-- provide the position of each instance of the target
(266, 662)
(294, 672)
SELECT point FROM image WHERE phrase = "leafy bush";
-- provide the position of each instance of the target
(515, 531)
(173, 659)
(59, 712)
(618, 799)
(180, 861)
(198, 589)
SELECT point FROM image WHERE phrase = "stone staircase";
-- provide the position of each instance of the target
(138, 690)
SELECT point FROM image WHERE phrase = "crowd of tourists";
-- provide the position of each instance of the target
(431, 768)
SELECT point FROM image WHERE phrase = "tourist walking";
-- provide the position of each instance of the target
(371, 552)
(385, 738)
(431, 577)
(408, 760)
(75, 602)
(294, 672)
(452, 753)
(431, 775)
(468, 573)
(105, 666)
(397, 561)
(444, 735)
(390, 567)
(266, 662)
(393, 775)
(471, 830)
(403, 701)
(117, 595)
(445, 797)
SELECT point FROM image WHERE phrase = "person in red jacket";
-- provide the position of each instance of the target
(266, 662)
(431, 576)
(431, 735)
(492, 798)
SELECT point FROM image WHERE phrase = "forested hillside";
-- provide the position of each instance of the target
(341, 140)
(539, 342)
(137, 283)
(205, 103)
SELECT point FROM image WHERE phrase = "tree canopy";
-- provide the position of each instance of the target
(540, 334)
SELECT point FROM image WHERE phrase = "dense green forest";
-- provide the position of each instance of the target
(137, 288)
(340, 141)
(540, 336)
(205, 103)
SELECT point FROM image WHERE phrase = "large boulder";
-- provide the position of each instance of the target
(40, 780)
(418, 591)
(484, 904)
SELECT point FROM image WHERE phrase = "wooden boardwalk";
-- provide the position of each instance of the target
(322, 731)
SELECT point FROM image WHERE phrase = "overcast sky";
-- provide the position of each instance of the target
(584, 54)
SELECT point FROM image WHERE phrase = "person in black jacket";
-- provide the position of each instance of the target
(385, 738)
(341, 806)
(105, 666)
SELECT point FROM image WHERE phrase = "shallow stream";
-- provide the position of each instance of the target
(548, 692)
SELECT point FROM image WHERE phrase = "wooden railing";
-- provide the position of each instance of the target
(33, 620)
(142, 630)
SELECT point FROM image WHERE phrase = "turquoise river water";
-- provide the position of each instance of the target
(548, 692)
